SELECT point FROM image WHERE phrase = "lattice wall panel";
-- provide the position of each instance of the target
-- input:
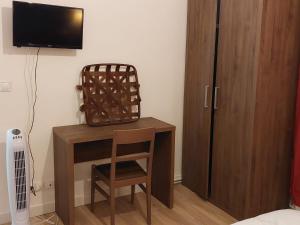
(110, 94)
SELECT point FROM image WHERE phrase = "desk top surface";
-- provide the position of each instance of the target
(84, 133)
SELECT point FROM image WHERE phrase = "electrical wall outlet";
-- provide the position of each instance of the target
(5, 86)
(43, 186)
(37, 186)
(48, 185)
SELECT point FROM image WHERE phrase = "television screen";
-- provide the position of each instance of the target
(40, 25)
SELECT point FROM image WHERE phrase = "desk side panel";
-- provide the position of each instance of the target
(163, 167)
(64, 180)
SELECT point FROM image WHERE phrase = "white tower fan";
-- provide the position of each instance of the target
(18, 178)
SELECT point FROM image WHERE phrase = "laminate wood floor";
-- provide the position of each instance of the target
(188, 209)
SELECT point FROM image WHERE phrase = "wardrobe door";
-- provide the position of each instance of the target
(235, 103)
(198, 94)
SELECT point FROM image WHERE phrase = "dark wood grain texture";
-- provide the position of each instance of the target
(236, 79)
(277, 77)
(64, 179)
(199, 79)
(163, 160)
(85, 133)
(81, 143)
(258, 59)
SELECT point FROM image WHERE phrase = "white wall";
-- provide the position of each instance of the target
(148, 34)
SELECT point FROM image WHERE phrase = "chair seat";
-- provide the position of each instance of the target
(124, 170)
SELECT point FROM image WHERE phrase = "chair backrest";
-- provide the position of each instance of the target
(128, 137)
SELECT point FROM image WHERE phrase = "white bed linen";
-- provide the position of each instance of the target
(281, 217)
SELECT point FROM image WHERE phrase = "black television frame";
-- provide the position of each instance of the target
(23, 44)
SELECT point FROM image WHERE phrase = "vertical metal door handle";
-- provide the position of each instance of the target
(206, 96)
(216, 98)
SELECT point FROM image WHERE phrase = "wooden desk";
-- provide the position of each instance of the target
(81, 143)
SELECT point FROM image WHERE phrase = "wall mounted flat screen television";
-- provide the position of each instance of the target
(40, 25)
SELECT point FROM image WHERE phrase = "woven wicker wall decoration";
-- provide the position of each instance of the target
(110, 94)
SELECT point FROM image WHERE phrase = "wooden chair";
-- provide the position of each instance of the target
(124, 170)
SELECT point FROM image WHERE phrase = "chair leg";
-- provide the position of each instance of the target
(148, 196)
(112, 206)
(93, 188)
(132, 193)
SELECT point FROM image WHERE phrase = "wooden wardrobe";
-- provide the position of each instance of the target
(240, 89)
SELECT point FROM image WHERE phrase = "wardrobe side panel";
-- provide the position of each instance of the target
(275, 107)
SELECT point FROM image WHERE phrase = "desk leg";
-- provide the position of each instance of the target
(64, 180)
(163, 168)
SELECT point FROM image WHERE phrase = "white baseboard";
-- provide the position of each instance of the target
(48, 207)
(177, 179)
(35, 210)
(84, 199)
(4, 218)
(294, 206)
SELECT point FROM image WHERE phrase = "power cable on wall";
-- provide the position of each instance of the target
(33, 120)
(32, 94)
